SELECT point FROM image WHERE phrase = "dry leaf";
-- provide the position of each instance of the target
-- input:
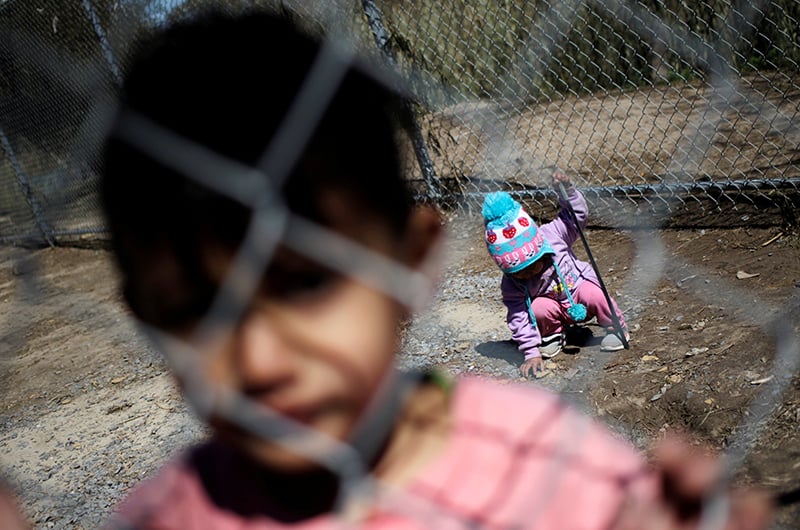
(647, 358)
(745, 275)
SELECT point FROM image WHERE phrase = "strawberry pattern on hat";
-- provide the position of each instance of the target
(512, 237)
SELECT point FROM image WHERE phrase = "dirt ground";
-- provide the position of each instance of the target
(88, 408)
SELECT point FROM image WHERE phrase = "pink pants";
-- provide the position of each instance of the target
(551, 315)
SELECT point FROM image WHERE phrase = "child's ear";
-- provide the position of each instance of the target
(424, 238)
(424, 249)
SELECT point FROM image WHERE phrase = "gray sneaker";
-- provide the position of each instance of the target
(551, 346)
(611, 342)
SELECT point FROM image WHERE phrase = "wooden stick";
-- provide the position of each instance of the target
(774, 239)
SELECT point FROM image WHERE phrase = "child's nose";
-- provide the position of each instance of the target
(264, 359)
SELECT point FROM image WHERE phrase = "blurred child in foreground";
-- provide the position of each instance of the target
(545, 287)
(300, 378)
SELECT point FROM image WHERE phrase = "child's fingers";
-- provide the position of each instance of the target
(750, 510)
(10, 515)
(531, 366)
(689, 476)
(561, 179)
(643, 515)
(527, 370)
(687, 473)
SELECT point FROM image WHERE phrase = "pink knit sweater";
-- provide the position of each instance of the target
(518, 458)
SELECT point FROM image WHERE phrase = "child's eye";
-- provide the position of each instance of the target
(286, 283)
(172, 313)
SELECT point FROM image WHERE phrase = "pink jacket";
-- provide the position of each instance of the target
(517, 457)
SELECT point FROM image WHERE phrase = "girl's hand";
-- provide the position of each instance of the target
(11, 517)
(561, 178)
(687, 477)
(531, 366)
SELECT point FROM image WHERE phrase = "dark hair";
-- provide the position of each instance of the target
(225, 82)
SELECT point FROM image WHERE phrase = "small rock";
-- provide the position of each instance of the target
(660, 393)
(695, 351)
(750, 375)
(572, 372)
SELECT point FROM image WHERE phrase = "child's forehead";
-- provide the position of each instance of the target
(206, 250)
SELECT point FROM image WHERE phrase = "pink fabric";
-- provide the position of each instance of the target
(518, 457)
(591, 295)
(551, 314)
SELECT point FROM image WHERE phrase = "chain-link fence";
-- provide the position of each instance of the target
(664, 113)
(674, 112)
(671, 105)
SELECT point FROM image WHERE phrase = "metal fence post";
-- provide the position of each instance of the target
(375, 22)
(101, 37)
(24, 185)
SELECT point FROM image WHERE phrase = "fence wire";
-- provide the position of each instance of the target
(685, 111)
(666, 113)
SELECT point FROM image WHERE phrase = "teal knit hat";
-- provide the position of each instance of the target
(512, 237)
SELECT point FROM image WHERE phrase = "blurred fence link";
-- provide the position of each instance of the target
(667, 112)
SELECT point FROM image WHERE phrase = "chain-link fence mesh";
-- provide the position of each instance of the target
(668, 104)
(666, 113)
(686, 111)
